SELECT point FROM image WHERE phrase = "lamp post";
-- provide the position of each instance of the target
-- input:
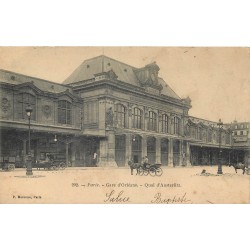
(29, 166)
(219, 124)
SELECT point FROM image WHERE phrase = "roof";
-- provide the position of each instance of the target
(124, 72)
(44, 85)
(99, 64)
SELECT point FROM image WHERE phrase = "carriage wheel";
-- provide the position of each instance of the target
(152, 171)
(146, 171)
(53, 167)
(11, 167)
(62, 165)
(140, 171)
(158, 172)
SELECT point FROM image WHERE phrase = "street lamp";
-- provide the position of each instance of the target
(29, 166)
(219, 124)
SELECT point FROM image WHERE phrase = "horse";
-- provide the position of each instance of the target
(238, 166)
(134, 166)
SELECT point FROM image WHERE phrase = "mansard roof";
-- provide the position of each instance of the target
(43, 85)
(124, 72)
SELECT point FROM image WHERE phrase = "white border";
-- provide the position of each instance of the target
(119, 23)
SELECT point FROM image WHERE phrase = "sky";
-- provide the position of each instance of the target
(216, 79)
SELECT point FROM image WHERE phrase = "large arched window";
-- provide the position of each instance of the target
(199, 133)
(204, 134)
(176, 125)
(24, 100)
(64, 112)
(227, 138)
(209, 135)
(192, 131)
(137, 118)
(120, 115)
(152, 121)
(164, 124)
(196, 132)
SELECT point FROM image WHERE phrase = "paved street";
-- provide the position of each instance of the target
(117, 185)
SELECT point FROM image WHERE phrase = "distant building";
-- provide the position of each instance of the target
(108, 108)
(241, 141)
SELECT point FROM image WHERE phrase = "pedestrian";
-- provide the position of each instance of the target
(95, 159)
(145, 162)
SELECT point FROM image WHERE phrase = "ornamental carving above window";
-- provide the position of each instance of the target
(5, 104)
(47, 110)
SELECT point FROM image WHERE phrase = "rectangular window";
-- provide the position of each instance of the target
(90, 113)
(137, 118)
(64, 112)
(164, 124)
(152, 121)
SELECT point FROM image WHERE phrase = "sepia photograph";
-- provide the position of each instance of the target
(124, 125)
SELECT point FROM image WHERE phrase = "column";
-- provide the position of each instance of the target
(188, 155)
(128, 153)
(181, 159)
(144, 145)
(158, 150)
(170, 152)
(107, 151)
(111, 149)
(73, 154)
(67, 154)
(24, 151)
(103, 153)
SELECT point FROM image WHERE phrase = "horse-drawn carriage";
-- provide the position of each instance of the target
(49, 164)
(8, 163)
(239, 165)
(142, 169)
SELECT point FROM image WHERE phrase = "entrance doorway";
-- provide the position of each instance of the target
(136, 149)
(164, 152)
(151, 149)
(176, 153)
(120, 149)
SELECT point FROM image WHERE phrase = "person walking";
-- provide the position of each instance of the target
(95, 159)
(145, 162)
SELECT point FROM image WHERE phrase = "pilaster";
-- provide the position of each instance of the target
(170, 152)
(158, 150)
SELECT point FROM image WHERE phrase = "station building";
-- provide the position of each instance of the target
(106, 107)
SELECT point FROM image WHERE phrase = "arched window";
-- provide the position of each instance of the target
(64, 112)
(209, 135)
(152, 121)
(192, 131)
(164, 124)
(120, 115)
(176, 125)
(217, 137)
(24, 100)
(199, 133)
(196, 133)
(227, 138)
(137, 118)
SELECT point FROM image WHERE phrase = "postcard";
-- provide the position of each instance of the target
(124, 125)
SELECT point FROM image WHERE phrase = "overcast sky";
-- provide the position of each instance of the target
(216, 79)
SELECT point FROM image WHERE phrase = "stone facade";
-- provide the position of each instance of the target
(110, 108)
